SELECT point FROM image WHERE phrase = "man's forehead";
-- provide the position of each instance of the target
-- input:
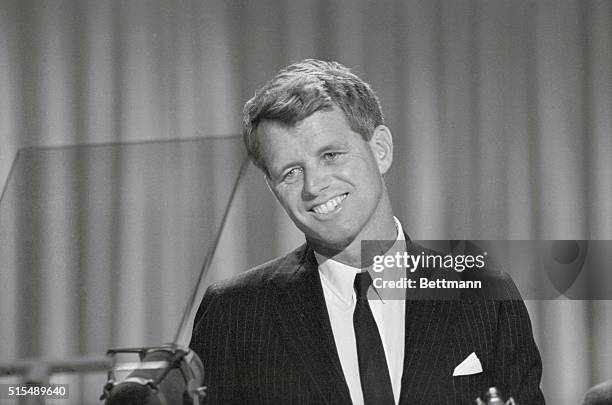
(276, 139)
(321, 125)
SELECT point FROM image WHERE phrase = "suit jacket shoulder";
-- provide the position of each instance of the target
(264, 337)
(256, 278)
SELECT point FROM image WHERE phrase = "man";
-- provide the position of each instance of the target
(294, 330)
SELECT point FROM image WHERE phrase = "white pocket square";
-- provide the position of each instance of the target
(471, 365)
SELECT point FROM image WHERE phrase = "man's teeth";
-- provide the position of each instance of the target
(330, 205)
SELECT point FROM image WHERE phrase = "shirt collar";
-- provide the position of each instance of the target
(339, 276)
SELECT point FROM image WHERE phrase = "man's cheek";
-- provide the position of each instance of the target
(288, 199)
(355, 166)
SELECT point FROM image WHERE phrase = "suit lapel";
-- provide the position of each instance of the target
(303, 316)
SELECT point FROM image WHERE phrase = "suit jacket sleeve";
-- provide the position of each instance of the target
(211, 340)
(518, 363)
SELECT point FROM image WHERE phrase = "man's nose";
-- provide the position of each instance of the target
(315, 181)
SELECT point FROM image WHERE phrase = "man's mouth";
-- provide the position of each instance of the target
(330, 205)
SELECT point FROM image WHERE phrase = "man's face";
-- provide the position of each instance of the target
(326, 176)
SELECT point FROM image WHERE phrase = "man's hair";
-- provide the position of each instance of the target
(303, 88)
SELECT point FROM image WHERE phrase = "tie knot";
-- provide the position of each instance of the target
(363, 281)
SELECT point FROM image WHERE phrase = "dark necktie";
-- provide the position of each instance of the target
(373, 370)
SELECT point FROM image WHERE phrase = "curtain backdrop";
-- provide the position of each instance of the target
(501, 113)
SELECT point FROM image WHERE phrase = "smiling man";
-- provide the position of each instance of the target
(299, 329)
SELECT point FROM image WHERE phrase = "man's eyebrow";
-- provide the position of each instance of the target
(333, 145)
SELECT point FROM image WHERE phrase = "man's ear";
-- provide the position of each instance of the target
(381, 145)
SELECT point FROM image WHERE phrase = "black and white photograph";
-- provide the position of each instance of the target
(367, 202)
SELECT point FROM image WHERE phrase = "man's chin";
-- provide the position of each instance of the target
(330, 243)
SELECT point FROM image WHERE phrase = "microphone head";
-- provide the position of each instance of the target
(164, 375)
(600, 394)
(132, 393)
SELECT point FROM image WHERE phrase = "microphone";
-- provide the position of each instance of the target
(163, 375)
(494, 397)
(600, 394)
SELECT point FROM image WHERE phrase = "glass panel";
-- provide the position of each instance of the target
(101, 246)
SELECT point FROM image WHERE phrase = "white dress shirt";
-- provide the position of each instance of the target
(337, 281)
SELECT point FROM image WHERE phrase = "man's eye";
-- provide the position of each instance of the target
(330, 156)
(292, 174)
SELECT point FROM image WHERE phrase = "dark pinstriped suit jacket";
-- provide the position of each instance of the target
(265, 338)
